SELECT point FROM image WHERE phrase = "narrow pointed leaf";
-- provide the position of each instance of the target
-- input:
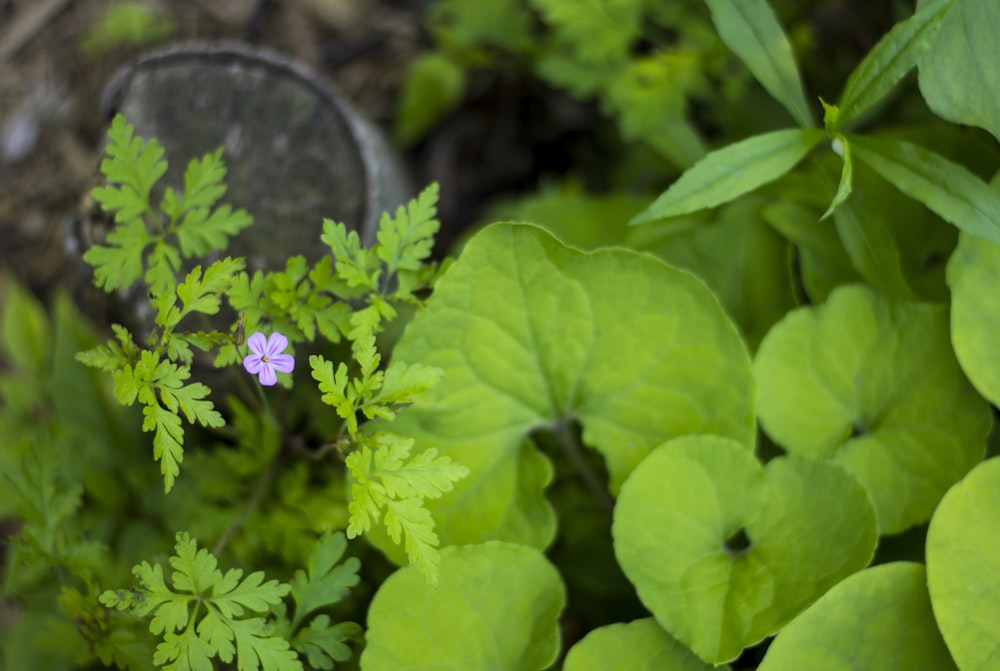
(730, 172)
(950, 190)
(751, 30)
(889, 61)
(843, 148)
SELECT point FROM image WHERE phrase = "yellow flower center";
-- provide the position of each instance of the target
(264, 358)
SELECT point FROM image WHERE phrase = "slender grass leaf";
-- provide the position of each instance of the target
(889, 61)
(730, 172)
(963, 543)
(959, 75)
(948, 189)
(751, 30)
(879, 620)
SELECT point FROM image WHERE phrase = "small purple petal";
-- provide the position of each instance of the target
(267, 376)
(257, 343)
(252, 363)
(276, 344)
(282, 362)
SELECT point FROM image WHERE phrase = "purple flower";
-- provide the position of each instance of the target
(267, 357)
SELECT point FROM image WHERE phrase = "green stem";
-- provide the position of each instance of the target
(573, 451)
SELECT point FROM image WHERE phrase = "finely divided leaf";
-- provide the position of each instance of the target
(131, 167)
(355, 265)
(950, 190)
(406, 240)
(328, 578)
(889, 61)
(118, 265)
(751, 30)
(203, 230)
(730, 172)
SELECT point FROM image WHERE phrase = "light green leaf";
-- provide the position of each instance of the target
(869, 242)
(328, 579)
(895, 55)
(843, 148)
(875, 386)
(681, 527)
(472, 619)
(751, 30)
(640, 645)
(732, 171)
(27, 334)
(947, 188)
(963, 544)
(433, 86)
(959, 77)
(878, 620)
(974, 275)
(531, 333)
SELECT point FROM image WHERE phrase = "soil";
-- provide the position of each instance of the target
(52, 120)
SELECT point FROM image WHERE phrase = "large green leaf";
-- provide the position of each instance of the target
(640, 645)
(751, 30)
(875, 386)
(960, 73)
(974, 275)
(895, 55)
(947, 188)
(732, 171)
(963, 568)
(495, 608)
(878, 620)
(529, 334)
(808, 524)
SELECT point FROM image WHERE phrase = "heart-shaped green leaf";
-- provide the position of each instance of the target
(640, 645)
(875, 386)
(878, 620)
(963, 569)
(973, 275)
(530, 333)
(473, 619)
(724, 551)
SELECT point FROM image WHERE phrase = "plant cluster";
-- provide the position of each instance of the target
(747, 423)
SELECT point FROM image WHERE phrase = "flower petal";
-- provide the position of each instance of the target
(252, 363)
(257, 343)
(276, 344)
(283, 363)
(267, 376)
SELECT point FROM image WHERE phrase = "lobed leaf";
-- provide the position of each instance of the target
(328, 577)
(406, 240)
(874, 385)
